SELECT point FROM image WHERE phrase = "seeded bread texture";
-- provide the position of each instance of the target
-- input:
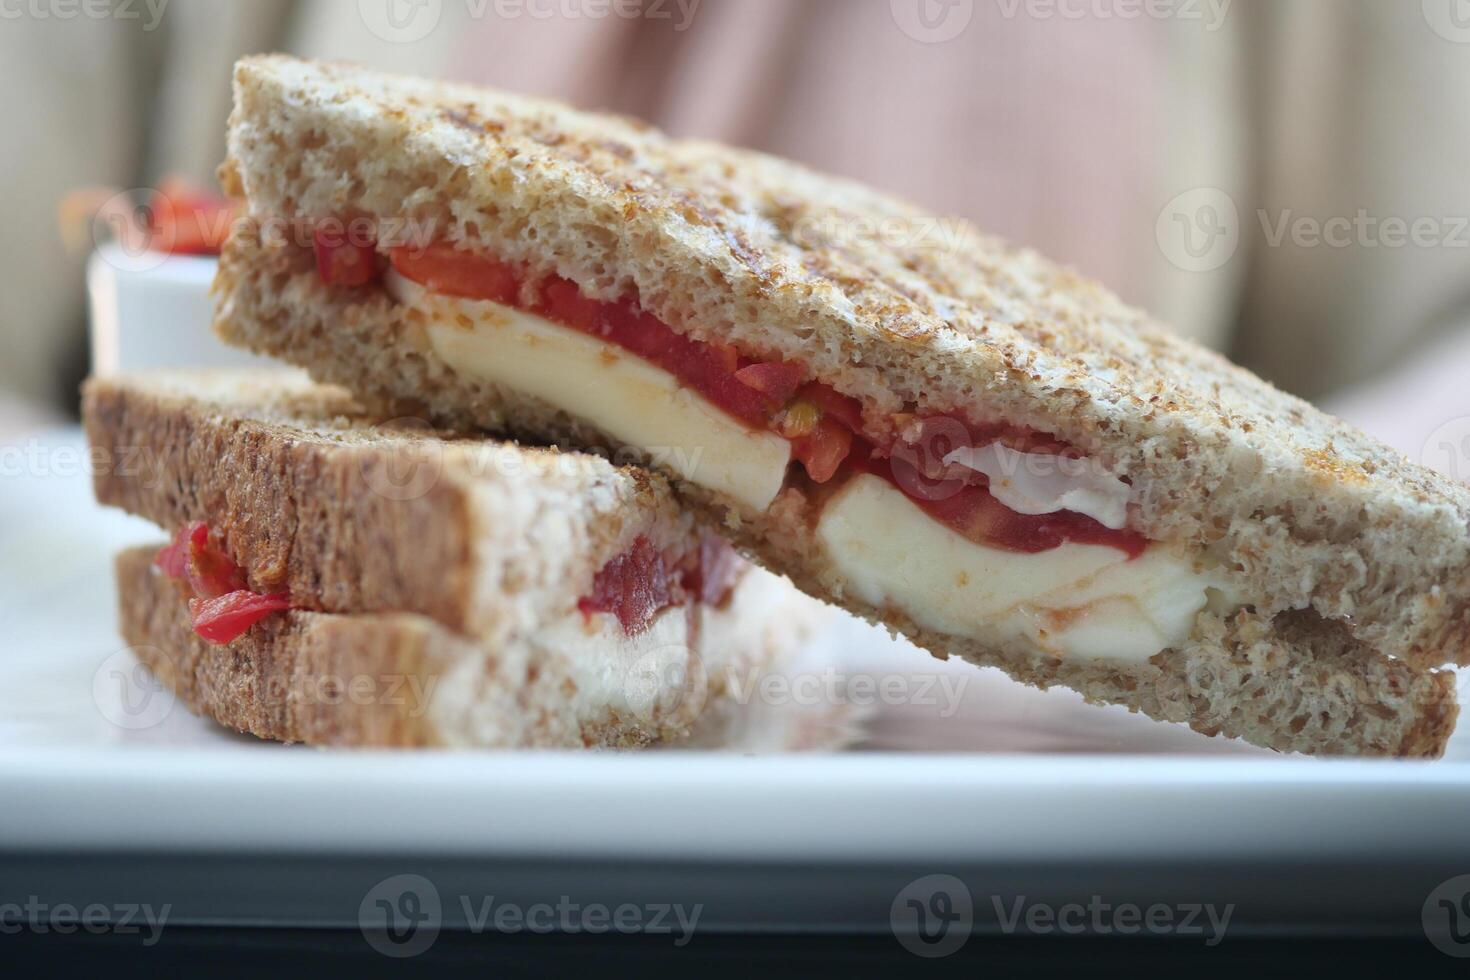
(309, 495)
(1293, 682)
(403, 680)
(896, 307)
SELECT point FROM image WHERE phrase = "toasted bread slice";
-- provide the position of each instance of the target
(311, 496)
(1348, 568)
(402, 680)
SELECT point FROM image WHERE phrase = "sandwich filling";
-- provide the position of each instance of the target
(970, 528)
(641, 590)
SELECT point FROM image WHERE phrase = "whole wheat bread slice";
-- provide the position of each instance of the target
(402, 680)
(1353, 564)
(310, 495)
(901, 309)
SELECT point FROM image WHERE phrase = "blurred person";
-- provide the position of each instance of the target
(1184, 154)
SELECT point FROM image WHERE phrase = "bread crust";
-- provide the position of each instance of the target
(901, 309)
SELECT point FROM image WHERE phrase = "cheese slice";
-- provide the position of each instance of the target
(628, 398)
(1078, 600)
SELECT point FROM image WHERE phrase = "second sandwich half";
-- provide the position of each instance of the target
(536, 597)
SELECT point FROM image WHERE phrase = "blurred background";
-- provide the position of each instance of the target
(1284, 180)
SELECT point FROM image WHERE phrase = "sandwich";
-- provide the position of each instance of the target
(333, 580)
(936, 431)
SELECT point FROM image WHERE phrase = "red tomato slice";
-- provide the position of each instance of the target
(442, 268)
(209, 571)
(342, 262)
(823, 449)
(224, 617)
(776, 380)
(186, 219)
(634, 587)
(848, 411)
(173, 558)
(970, 510)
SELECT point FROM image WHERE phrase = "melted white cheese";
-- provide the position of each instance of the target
(633, 401)
(1078, 600)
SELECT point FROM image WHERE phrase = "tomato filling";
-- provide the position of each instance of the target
(638, 584)
(825, 428)
(186, 219)
(221, 605)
